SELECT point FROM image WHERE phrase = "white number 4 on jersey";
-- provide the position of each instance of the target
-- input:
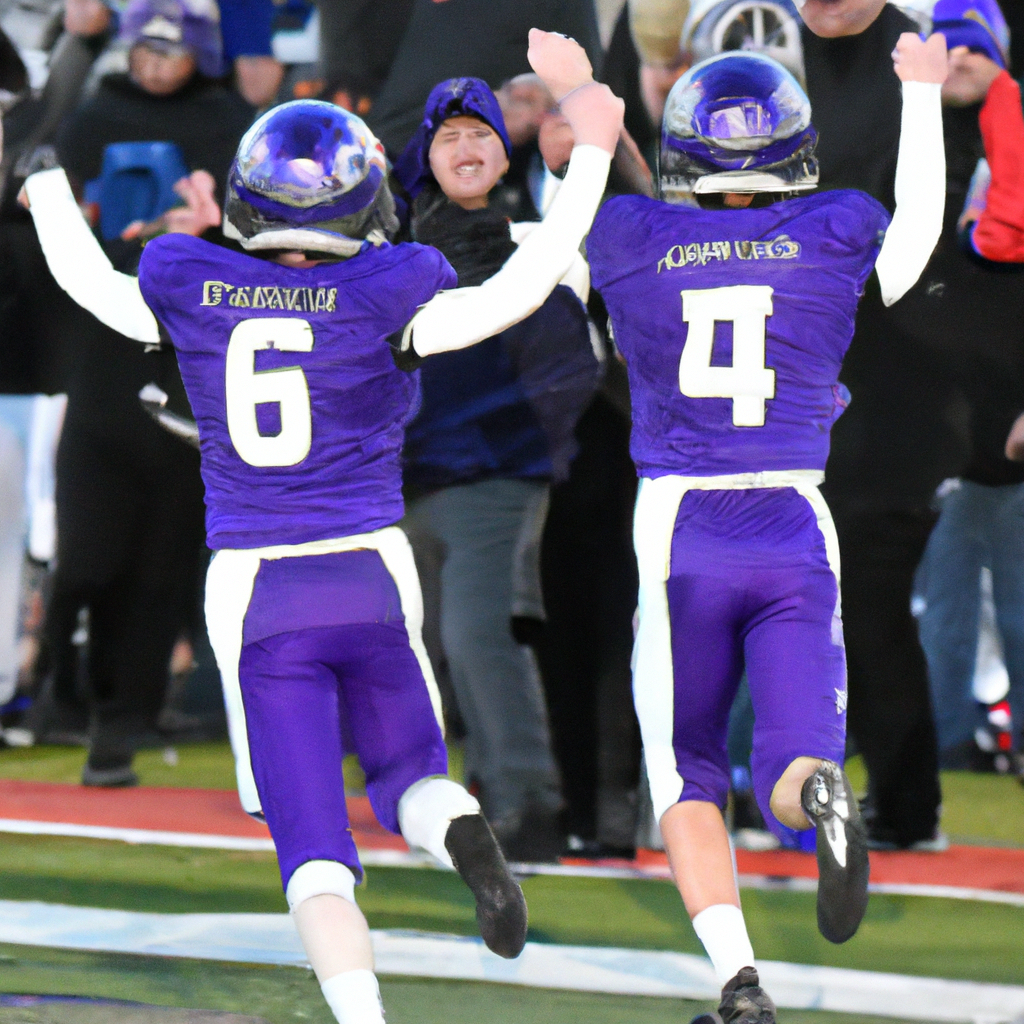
(748, 382)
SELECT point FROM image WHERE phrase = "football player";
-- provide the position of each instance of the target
(732, 300)
(312, 600)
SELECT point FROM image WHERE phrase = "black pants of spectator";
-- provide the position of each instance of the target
(590, 584)
(889, 716)
(130, 543)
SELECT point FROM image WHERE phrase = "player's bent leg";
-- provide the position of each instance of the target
(439, 816)
(796, 666)
(829, 802)
(399, 742)
(787, 794)
(336, 938)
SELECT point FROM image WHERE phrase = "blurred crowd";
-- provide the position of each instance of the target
(520, 519)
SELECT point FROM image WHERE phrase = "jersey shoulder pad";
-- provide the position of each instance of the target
(617, 226)
(431, 263)
(854, 220)
(618, 214)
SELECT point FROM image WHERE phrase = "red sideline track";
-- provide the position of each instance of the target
(217, 812)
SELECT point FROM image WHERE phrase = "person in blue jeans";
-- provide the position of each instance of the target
(981, 525)
(494, 429)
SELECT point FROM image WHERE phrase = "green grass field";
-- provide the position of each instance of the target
(284, 995)
(913, 935)
(905, 934)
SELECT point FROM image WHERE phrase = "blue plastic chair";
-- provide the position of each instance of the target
(136, 183)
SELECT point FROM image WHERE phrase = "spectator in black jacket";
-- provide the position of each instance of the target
(494, 429)
(977, 297)
(482, 38)
(894, 444)
(898, 440)
(129, 496)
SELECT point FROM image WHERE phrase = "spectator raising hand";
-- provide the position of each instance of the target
(134, 568)
(201, 211)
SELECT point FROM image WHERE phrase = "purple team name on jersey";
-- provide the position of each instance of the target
(733, 325)
(300, 407)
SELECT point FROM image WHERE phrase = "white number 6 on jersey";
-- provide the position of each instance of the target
(244, 389)
(748, 382)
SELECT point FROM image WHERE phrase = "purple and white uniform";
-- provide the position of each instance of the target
(301, 413)
(733, 325)
(313, 604)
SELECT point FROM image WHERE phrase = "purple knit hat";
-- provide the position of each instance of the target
(471, 97)
(977, 24)
(177, 26)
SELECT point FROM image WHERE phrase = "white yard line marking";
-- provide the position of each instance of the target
(142, 836)
(271, 939)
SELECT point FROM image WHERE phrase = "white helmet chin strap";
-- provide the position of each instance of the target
(302, 240)
(749, 181)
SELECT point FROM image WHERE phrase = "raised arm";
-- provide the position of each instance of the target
(79, 264)
(920, 167)
(461, 317)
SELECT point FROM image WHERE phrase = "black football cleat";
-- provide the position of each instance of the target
(744, 1001)
(842, 847)
(500, 904)
(707, 1018)
(115, 777)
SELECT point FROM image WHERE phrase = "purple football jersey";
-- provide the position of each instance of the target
(301, 409)
(733, 325)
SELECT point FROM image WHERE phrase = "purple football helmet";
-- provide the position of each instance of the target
(738, 122)
(309, 176)
(976, 24)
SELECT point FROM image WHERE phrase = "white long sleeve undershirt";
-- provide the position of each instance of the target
(463, 316)
(920, 192)
(577, 277)
(79, 264)
(451, 320)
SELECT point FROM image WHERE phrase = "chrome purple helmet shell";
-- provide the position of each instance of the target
(309, 176)
(738, 122)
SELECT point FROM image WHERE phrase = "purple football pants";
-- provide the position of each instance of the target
(326, 669)
(749, 586)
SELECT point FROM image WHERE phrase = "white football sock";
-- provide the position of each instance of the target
(426, 810)
(723, 932)
(354, 997)
(318, 878)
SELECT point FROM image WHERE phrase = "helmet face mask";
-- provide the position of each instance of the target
(311, 176)
(738, 122)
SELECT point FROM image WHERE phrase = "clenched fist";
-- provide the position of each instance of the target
(915, 60)
(560, 61)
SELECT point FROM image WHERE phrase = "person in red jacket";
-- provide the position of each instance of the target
(992, 223)
(982, 312)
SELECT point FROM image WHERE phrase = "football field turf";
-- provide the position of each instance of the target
(901, 934)
(285, 995)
